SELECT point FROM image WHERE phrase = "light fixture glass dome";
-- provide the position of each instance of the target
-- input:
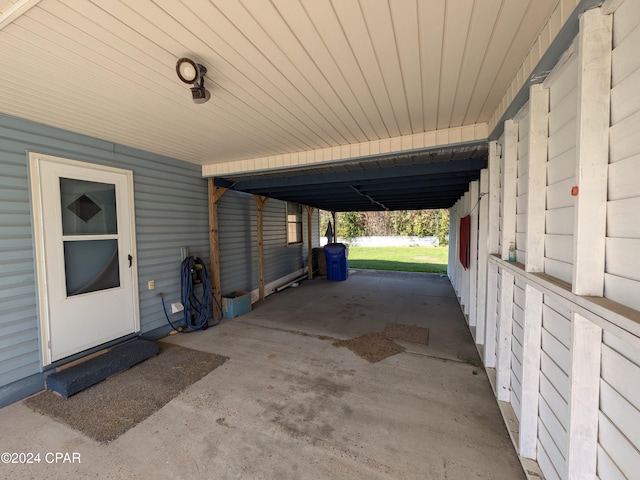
(187, 70)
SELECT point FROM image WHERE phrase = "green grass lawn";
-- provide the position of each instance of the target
(401, 259)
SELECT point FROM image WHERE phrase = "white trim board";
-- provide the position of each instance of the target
(324, 156)
(612, 317)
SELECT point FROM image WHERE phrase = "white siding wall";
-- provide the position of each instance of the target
(561, 169)
(619, 420)
(553, 412)
(497, 304)
(588, 349)
(517, 339)
(461, 278)
(622, 271)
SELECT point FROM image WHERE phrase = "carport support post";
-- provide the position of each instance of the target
(335, 227)
(260, 203)
(530, 380)
(509, 179)
(474, 197)
(505, 325)
(309, 242)
(214, 247)
(592, 152)
(483, 229)
(536, 196)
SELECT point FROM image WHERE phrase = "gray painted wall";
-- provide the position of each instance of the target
(171, 211)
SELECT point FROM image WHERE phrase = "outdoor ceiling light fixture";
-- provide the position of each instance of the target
(193, 74)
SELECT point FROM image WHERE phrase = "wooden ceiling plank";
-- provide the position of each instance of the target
(6, 4)
(293, 81)
(261, 102)
(251, 17)
(279, 24)
(330, 30)
(456, 30)
(223, 50)
(336, 87)
(519, 39)
(404, 16)
(504, 30)
(377, 16)
(239, 51)
(431, 28)
(485, 13)
(87, 88)
(358, 35)
(85, 117)
(263, 130)
(225, 71)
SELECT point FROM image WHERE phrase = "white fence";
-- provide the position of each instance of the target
(392, 241)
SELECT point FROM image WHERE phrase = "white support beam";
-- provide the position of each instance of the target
(505, 324)
(494, 199)
(492, 317)
(483, 229)
(536, 196)
(531, 347)
(509, 179)
(592, 150)
(405, 144)
(472, 290)
(584, 397)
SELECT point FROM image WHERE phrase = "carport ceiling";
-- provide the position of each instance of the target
(285, 76)
(417, 180)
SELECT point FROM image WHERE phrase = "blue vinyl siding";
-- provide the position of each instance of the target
(170, 208)
(238, 242)
(237, 237)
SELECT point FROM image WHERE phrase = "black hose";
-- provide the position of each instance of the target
(196, 309)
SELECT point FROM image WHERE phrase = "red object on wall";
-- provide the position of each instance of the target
(465, 241)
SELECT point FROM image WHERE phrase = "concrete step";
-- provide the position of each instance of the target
(75, 379)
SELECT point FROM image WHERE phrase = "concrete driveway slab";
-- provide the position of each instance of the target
(290, 405)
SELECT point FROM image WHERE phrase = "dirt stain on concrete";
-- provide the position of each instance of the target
(373, 347)
(305, 412)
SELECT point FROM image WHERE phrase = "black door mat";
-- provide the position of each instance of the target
(75, 379)
(110, 408)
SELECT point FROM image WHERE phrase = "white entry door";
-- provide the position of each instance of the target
(86, 257)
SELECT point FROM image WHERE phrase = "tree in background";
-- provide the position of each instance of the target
(352, 224)
(419, 223)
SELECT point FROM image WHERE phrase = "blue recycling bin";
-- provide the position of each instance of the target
(336, 256)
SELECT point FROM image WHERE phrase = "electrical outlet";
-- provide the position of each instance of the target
(151, 284)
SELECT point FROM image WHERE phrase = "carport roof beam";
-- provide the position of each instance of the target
(367, 196)
(431, 168)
